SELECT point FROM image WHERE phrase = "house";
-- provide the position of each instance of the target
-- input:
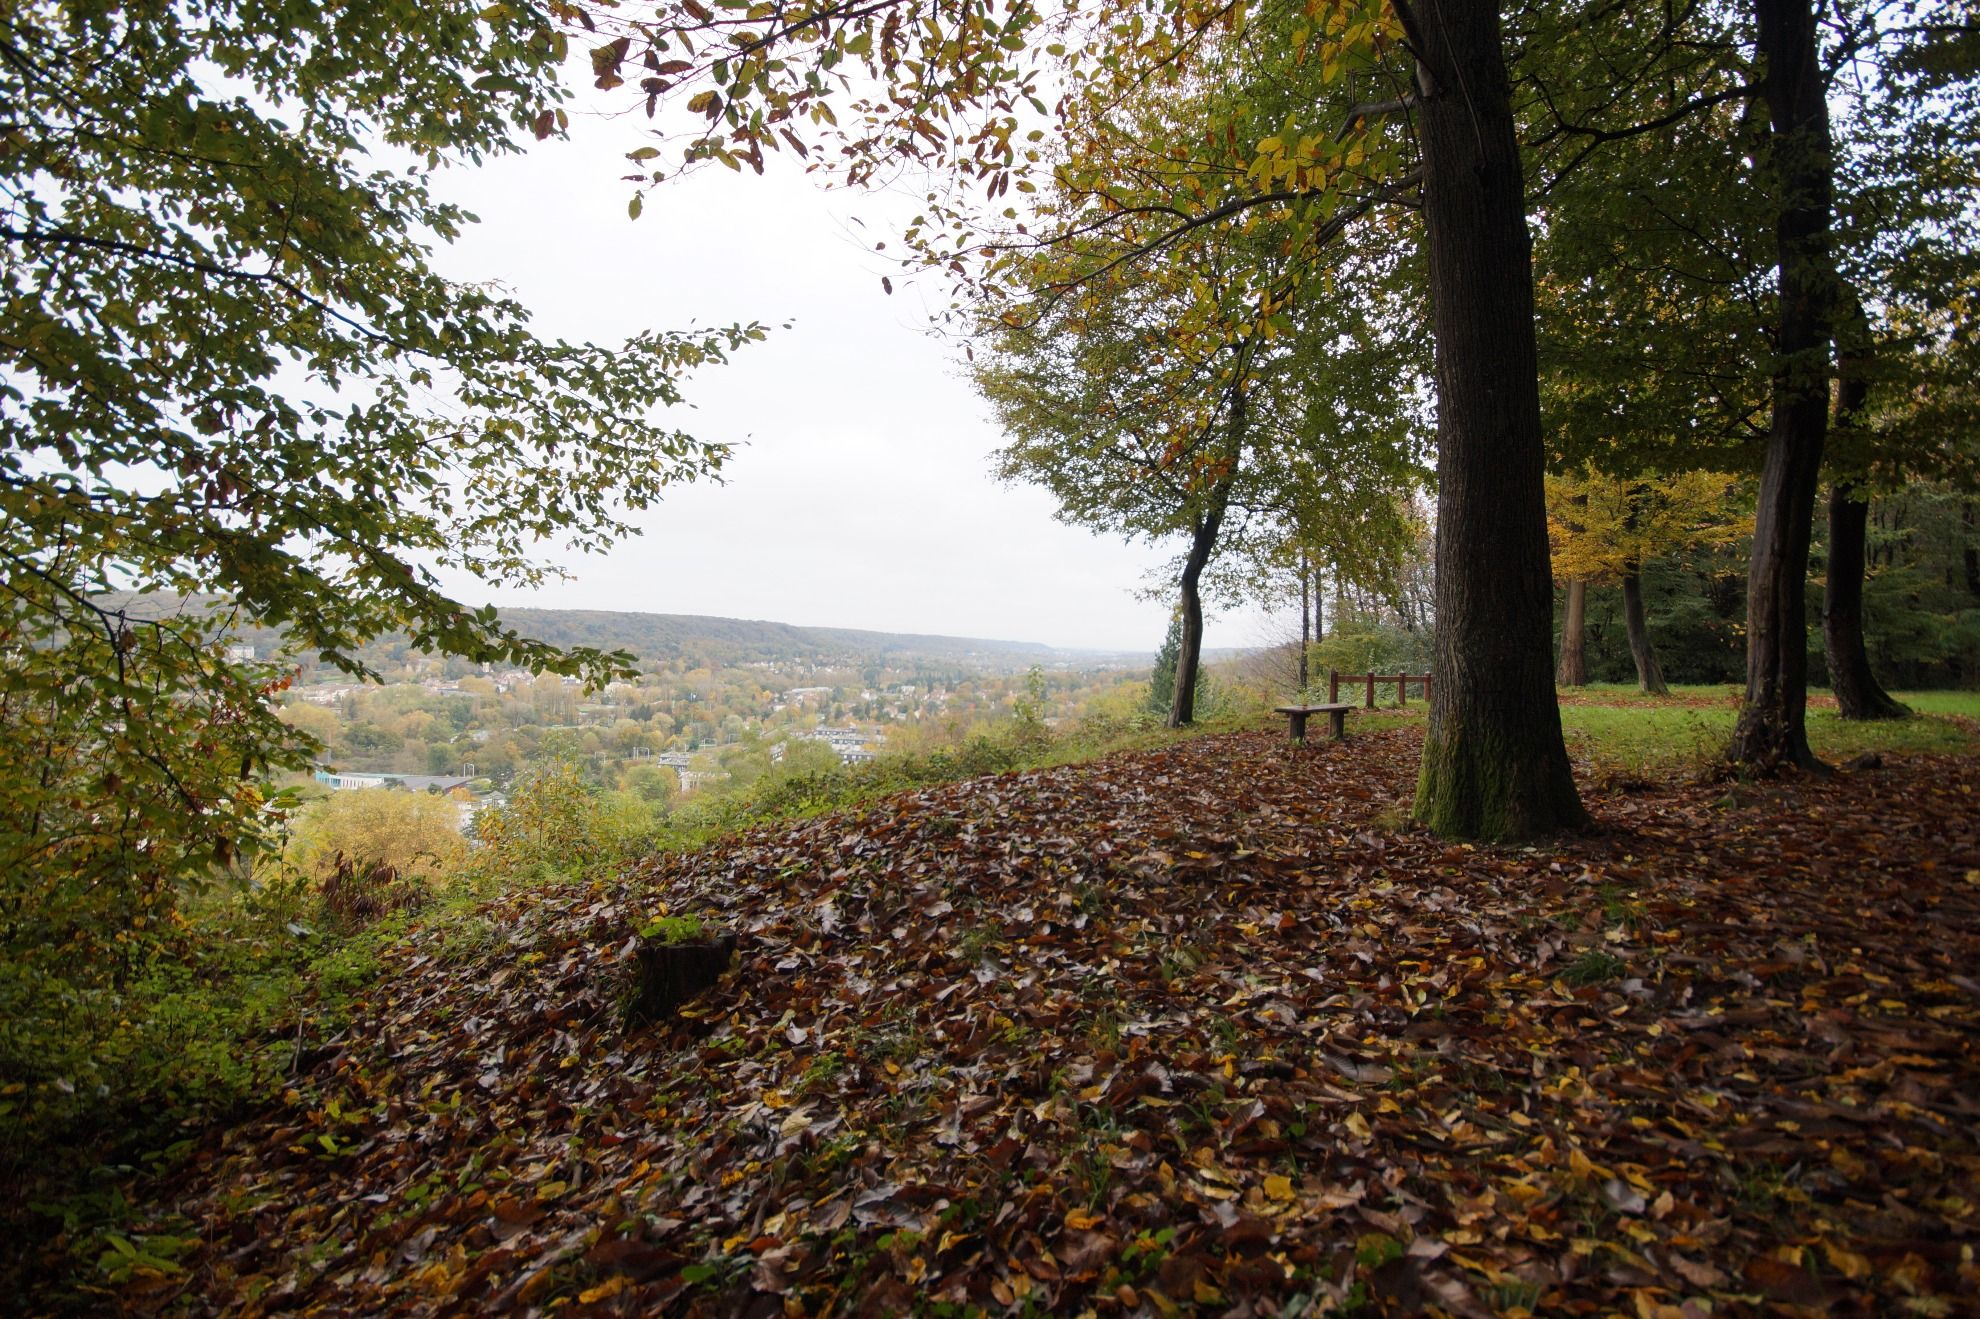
(342, 781)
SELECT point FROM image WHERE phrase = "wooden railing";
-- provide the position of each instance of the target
(1368, 680)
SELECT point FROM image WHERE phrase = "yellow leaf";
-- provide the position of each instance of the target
(1080, 1220)
(611, 1287)
(1852, 1265)
(1279, 1188)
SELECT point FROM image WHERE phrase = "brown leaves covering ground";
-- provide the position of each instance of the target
(1198, 1029)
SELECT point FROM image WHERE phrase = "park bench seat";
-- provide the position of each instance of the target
(1297, 715)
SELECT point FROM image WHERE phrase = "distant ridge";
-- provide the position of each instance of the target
(668, 636)
(709, 640)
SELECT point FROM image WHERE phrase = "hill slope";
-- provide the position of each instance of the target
(1179, 1029)
(701, 638)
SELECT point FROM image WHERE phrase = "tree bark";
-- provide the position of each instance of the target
(1972, 555)
(1494, 764)
(1305, 620)
(1203, 541)
(1772, 731)
(1649, 673)
(1203, 544)
(1858, 693)
(1573, 670)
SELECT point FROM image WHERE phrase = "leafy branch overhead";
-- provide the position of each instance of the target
(230, 368)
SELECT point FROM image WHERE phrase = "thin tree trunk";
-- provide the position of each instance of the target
(1203, 541)
(1772, 731)
(1319, 605)
(1305, 620)
(1573, 670)
(1494, 765)
(1649, 673)
(1858, 693)
(1972, 555)
(1203, 544)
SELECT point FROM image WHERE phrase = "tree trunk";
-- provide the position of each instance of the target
(1649, 673)
(1772, 731)
(1972, 555)
(1573, 671)
(1494, 765)
(1203, 540)
(1858, 693)
(1305, 621)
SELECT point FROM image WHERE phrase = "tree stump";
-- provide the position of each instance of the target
(667, 975)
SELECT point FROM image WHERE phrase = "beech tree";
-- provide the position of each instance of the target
(230, 373)
(1604, 528)
(1908, 242)
(1664, 321)
(1240, 389)
(1494, 764)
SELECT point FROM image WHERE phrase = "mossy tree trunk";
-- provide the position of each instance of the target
(1772, 731)
(1494, 765)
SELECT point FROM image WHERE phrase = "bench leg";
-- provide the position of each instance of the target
(1338, 718)
(1296, 726)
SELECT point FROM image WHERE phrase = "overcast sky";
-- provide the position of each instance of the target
(861, 493)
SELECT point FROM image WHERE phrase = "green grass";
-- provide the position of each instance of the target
(1617, 731)
(1614, 731)
(1965, 705)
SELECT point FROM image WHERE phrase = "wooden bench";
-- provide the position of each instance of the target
(1297, 715)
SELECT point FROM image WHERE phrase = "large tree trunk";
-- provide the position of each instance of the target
(1649, 673)
(1772, 731)
(1858, 693)
(1573, 670)
(1494, 765)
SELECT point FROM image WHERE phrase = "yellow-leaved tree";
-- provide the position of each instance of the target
(404, 838)
(1602, 528)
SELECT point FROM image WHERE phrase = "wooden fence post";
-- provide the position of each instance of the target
(1371, 687)
(1333, 687)
(1402, 690)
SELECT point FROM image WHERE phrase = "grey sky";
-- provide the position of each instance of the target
(863, 495)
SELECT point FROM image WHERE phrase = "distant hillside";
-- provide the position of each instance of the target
(660, 638)
(733, 640)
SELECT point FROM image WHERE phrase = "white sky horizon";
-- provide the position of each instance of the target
(860, 494)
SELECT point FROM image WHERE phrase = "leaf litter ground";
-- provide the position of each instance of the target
(1204, 1029)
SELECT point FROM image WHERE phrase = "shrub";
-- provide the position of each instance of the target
(416, 835)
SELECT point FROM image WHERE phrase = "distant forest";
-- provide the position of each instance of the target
(695, 638)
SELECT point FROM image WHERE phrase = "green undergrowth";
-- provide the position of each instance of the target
(111, 1081)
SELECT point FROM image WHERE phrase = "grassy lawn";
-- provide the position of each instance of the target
(1615, 730)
